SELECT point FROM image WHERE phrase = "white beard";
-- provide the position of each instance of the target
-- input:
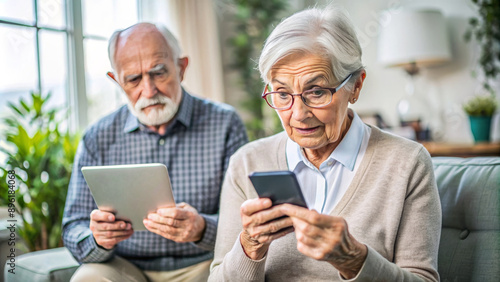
(156, 116)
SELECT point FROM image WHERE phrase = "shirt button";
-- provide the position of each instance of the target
(162, 141)
(330, 162)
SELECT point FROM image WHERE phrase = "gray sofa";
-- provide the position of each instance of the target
(470, 239)
(469, 189)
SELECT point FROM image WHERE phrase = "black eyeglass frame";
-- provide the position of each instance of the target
(332, 91)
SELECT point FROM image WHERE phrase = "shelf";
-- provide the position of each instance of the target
(462, 150)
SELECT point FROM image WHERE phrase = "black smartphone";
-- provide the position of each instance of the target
(279, 186)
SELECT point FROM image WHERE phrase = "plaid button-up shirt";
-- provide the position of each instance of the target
(196, 150)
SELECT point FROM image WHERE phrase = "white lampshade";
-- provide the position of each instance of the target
(414, 36)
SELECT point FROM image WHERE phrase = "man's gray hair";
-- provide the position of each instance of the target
(324, 32)
(169, 37)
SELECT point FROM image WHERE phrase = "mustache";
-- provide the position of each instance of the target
(146, 102)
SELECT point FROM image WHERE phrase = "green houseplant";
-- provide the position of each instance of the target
(41, 154)
(480, 109)
(253, 21)
(485, 29)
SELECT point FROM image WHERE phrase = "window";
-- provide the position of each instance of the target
(100, 20)
(33, 52)
(60, 46)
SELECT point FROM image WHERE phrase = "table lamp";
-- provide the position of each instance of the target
(413, 39)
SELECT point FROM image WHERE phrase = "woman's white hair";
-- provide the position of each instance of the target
(169, 38)
(325, 32)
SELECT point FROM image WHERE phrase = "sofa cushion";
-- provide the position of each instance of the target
(469, 190)
(48, 265)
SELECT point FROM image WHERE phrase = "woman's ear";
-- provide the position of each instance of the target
(359, 82)
(357, 87)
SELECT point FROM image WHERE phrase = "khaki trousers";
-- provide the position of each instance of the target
(119, 269)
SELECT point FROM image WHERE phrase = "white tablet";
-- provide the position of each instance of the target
(130, 191)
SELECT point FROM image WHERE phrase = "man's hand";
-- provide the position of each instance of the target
(326, 238)
(181, 223)
(262, 224)
(108, 232)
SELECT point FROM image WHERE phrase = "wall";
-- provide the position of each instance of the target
(442, 88)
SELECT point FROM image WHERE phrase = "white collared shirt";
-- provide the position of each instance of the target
(323, 188)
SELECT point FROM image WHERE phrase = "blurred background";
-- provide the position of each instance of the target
(60, 46)
(432, 68)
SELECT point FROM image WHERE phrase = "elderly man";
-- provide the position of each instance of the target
(194, 138)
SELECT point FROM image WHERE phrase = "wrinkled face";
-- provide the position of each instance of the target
(311, 128)
(149, 75)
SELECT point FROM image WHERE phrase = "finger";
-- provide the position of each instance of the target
(268, 238)
(252, 206)
(315, 246)
(115, 226)
(270, 214)
(329, 227)
(263, 216)
(308, 240)
(315, 242)
(165, 220)
(175, 212)
(164, 235)
(98, 215)
(109, 243)
(271, 227)
(307, 228)
(310, 216)
(184, 205)
(164, 229)
(296, 211)
(187, 207)
(314, 252)
(112, 234)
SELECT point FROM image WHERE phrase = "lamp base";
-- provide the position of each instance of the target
(411, 109)
(422, 133)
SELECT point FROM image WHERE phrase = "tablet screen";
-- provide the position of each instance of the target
(130, 191)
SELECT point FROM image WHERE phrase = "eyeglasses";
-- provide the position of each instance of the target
(314, 98)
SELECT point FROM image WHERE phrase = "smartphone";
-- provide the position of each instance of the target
(279, 186)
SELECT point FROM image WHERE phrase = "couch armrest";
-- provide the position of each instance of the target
(47, 265)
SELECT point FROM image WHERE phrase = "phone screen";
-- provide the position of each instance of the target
(279, 186)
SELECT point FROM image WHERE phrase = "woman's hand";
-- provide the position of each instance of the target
(262, 224)
(326, 238)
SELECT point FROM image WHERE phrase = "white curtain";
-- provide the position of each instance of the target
(194, 24)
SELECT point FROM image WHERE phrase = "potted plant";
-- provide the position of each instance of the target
(480, 109)
(485, 29)
(39, 162)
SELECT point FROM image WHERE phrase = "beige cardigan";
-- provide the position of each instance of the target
(392, 206)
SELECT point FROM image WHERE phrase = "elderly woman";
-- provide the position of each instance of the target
(374, 212)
